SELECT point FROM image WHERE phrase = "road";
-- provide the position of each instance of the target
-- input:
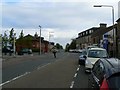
(25, 64)
(46, 72)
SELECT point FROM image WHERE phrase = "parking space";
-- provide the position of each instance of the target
(81, 78)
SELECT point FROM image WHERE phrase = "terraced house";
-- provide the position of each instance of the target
(103, 37)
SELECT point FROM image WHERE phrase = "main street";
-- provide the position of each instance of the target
(44, 71)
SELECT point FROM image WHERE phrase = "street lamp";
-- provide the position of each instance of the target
(40, 40)
(14, 45)
(114, 32)
(49, 39)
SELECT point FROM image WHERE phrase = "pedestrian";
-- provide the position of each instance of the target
(54, 52)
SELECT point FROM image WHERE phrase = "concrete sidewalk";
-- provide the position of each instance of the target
(8, 57)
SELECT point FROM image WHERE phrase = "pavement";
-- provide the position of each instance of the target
(8, 57)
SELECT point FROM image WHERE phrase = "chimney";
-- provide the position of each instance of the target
(103, 25)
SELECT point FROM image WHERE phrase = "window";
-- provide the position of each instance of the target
(86, 32)
(95, 67)
(98, 71)
(90, 31)
(97, 53)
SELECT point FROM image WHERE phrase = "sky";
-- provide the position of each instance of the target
(61, 19)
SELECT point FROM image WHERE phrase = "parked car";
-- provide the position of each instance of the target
(92, 56)
(82, 57)
(105, 74)
(92, 46)
(7, 49)
(25, 51)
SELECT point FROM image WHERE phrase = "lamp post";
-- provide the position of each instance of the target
(114, 32)
(49, 39)
(14, 45)
(40, 40)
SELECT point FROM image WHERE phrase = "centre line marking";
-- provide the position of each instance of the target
(14, 78)
(75, 75)
(72, 84)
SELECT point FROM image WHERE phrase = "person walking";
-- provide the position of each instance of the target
(54, 52)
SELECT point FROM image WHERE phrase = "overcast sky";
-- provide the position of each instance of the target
(65, 18)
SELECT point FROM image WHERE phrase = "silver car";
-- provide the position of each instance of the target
(82, 57)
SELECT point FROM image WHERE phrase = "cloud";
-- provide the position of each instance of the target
(119, 9)
(65, 18)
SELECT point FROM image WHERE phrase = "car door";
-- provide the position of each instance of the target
(97, 74)
(92, 82)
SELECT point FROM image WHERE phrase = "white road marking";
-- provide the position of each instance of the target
(22, 75)
(78, 69)
(39, 67)
(75, 75)
(14, 78)
(72, 84)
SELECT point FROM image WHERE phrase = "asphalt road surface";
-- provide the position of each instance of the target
(26, 64)
(46, 72)
(81, 78)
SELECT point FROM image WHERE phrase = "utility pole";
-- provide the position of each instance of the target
(49, 39)
(114, 30)
(14, 45)
(40, 40)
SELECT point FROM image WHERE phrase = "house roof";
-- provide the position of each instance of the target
(99, 32)
(93, 28)
(118, 20)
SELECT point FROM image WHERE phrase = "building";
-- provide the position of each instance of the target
(104, 37)
(84, 38)
(33, 43)
(88, 37)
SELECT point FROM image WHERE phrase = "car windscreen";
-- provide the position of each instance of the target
(97, 53)
(84, 53)
(114, 81)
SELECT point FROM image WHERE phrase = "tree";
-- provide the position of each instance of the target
(67, 47)
(11, 37)
(0, 38)
(21, 34)
(58, 46)
(4, 39)
(73, 44)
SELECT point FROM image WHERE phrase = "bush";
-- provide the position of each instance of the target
(36, 50)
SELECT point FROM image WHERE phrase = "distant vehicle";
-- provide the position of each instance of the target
(92, 56)
(82, 57)
(105, 74)
(75, 50)
(25, 51)
(71, 50)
